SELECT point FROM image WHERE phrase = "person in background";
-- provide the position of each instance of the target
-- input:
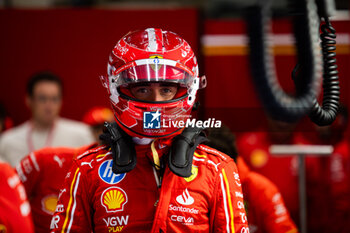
(42, 172)
(151, 176)
(15, 213)
(265, 208)
(328, 181)
(5, 121)
(253, 148)
(45, 128)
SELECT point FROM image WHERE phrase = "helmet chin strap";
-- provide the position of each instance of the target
(182, 150)
(123, 149)
(180, 153)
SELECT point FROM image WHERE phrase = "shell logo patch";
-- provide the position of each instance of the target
(114, 199)
(49, 203)
(107, 175)
(194, 172)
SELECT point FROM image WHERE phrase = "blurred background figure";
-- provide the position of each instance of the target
(264, 204)
(45, 128)
(15, 214)
(95, 118)
(42, 172)
(253, 147)
(328, 181)
(5, 121)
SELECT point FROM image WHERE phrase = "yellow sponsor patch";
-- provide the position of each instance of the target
(114, 199)
(49, 204)
(194, 172)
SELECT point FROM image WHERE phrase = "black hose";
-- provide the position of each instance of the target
(331, 91)
(280, 105)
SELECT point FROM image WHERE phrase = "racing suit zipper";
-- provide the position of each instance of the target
(158, 176)
(162, 203)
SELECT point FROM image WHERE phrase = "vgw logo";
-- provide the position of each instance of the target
(151, 120)
(107, 175)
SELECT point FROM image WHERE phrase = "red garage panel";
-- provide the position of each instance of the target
(75, 44)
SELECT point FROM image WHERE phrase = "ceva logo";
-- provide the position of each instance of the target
(182, 219)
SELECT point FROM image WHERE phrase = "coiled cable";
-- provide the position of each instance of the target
(326, 114)
(280, 105)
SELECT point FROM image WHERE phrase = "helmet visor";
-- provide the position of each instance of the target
(154, 70)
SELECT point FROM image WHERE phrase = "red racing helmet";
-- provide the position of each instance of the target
(152, 55)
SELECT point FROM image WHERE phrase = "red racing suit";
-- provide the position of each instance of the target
(15, 215)
(94, 199)
(264, 205)
(42, 173)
